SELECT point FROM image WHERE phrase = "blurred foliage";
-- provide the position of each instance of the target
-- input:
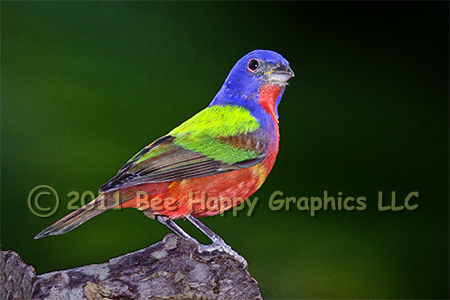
(85, 85)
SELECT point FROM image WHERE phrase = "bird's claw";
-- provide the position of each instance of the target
(222, 247)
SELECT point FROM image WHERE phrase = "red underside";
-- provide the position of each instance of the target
(206, 196)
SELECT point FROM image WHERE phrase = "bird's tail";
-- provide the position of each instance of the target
(97, 206)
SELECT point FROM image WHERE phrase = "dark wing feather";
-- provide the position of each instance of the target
(170, 162)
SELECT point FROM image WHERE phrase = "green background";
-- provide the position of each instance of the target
(85, 85)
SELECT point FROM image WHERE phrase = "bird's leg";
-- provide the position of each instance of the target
(217, 242)
(175, 228)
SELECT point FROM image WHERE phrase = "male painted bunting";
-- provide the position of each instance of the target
(208, 164)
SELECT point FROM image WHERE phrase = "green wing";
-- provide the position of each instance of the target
(216, 140)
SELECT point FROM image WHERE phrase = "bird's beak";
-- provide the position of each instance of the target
(279, 74)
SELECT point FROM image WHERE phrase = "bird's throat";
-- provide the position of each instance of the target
(268, 95)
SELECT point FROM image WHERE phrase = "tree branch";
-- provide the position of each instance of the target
(170, 269)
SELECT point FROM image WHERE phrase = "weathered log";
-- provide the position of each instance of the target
(16, 277)
(170, 269)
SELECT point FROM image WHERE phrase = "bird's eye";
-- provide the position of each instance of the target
(253, 65)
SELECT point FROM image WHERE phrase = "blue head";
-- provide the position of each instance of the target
(256, 72)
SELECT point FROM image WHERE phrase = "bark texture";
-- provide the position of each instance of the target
(170, 269)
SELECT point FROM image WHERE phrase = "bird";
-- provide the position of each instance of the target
(208, 164)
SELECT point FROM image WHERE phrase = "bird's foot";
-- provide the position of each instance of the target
(220, 245)
(217, 242)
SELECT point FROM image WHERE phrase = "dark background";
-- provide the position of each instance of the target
(85, 85)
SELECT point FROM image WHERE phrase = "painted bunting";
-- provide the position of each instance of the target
(208, 164)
